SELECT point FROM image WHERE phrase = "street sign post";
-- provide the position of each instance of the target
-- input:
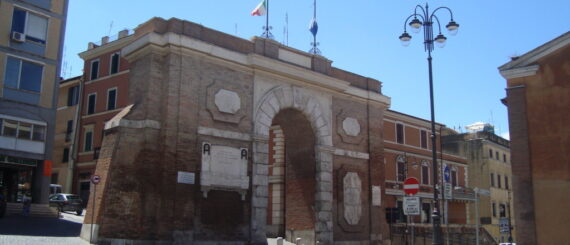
(95, 179)
(411, 186)
(448, 191)
(504, 225)
(412, 205)
(447, 174)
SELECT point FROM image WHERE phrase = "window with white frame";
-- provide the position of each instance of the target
(111, 99)
(400, 133)
(91, 100)
(115, 58)
(32, 25)
(23, 75)
(400, 168)
(423, 139)
(425, 172)
(454, 180)
(88, 139)
(22, 130)
(94, 70)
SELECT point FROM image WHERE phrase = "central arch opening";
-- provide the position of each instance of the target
(292, 170)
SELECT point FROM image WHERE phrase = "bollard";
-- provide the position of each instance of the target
(298, 241)
(280, 241)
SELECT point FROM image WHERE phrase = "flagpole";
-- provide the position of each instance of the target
(267, 21)
(315, 17)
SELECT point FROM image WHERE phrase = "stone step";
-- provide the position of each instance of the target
(36, 210)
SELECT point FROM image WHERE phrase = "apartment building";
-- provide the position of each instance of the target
(31, 41)
(408, 153)
(489, 159)
(67, 120)
(105, 84)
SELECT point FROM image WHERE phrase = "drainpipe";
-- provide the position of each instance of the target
(72, 150)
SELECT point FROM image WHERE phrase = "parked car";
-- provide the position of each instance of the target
(2, 205)
(67, 202)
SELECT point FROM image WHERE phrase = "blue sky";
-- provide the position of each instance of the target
(361, 36)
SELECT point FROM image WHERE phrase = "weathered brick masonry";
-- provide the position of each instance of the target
(196, 91)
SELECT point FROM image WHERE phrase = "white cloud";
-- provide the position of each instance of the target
(506, 135)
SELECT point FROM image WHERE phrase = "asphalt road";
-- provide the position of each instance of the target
(20, 230)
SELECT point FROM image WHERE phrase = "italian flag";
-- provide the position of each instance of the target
(260, 10)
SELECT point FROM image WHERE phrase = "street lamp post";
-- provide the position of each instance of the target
(427, 20)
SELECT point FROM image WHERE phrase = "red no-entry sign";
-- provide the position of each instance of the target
(411, 186)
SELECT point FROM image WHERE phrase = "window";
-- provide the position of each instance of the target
(54, 178)
(24, 130)
(506, 182)
(492, 180)
(454, 176)
(402, 217)
(91, 99)
(23, 75)
(490, 153)
(111, 99)
(32, 25)
(73, 96)
(9, 128)
(400, 133)
(94, 69)
(425, 173)
(88, 144)
(423, 139)
(502, 210)
(497, 155)
(114, 63)
(65, 157)
(498, 180)
(401, 168)
(39, 133)
(69, 130)
(494, 210)
(426, 213)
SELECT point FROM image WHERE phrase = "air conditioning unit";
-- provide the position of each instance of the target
(18, 37)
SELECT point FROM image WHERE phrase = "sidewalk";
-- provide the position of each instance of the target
(21, 230)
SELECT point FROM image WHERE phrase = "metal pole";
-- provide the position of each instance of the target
(267, 21)
(476, 216)
(436, 217)
(93, 213)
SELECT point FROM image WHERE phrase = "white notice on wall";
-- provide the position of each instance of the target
(186, 177)
(376, 195)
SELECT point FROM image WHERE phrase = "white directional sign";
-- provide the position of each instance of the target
(504, 225)
(448, 191)
(412, 205)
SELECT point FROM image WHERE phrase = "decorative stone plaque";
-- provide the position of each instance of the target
(376, 195)
(224, 168)
(351, 126)
(227, 101)
(352, 198)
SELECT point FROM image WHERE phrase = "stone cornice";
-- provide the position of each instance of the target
(158, 43)
(520, 72)
(108, 47)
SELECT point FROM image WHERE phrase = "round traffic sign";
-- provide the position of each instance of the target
(95, 179)
(411, 186)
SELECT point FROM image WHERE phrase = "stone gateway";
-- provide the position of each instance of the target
(280, 143)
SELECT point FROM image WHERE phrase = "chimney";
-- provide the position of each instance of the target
(123, 33)
(104, 40)
(90, 46)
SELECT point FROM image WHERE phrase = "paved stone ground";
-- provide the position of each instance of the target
(20, 230)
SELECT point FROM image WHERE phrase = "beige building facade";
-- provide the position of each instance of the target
(489, 161)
